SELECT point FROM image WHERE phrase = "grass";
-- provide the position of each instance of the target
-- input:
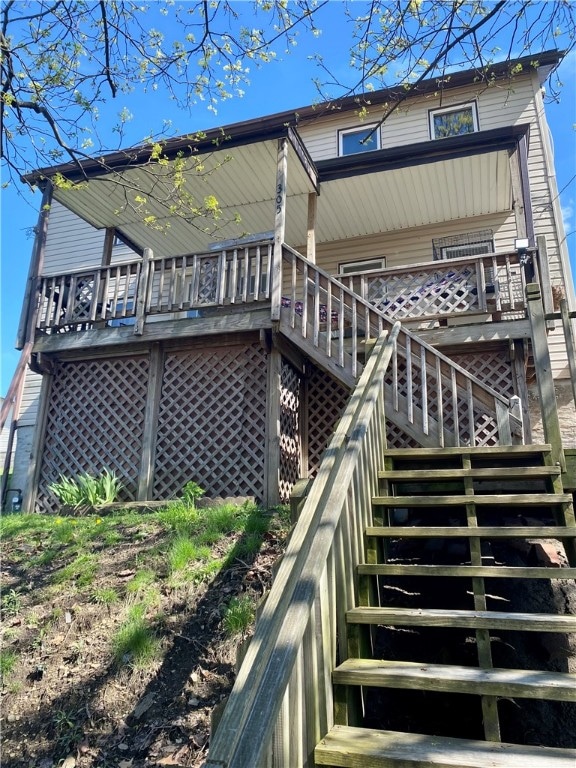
(82, 570)
(167, 549)
(8, 661)
(135, 642)
(239, 615)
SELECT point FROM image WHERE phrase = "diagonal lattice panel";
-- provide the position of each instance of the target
(95, 421)
(327, 399)
(420, 294)
(212, 422)
(290, 455)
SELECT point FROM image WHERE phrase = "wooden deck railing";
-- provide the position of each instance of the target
(282, 702)
(156, 286)
(488, 284)
(233, 276)
(81, 299)
(441, 402)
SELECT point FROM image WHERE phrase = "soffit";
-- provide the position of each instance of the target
(245, 180)
(242, 179)
(414, 196)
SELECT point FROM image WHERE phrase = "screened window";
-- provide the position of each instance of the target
(356, 140)
(453, 121)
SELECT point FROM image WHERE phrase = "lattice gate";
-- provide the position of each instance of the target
(212, 422)
(290, 432)
(95, 421)
(327, 399)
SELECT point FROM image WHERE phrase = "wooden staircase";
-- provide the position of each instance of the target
(456, 654)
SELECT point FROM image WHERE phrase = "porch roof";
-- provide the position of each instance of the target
(377, 192)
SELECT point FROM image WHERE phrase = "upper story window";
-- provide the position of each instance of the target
(354, 140)
(453, 121)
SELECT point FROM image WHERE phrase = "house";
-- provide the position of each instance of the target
(223, 350)
(418, 264)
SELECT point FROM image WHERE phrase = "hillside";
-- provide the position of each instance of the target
(120, 631)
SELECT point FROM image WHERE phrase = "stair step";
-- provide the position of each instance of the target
(490, 450)
(444, 678)
(481, 532)
(458, 500)
(347, 747)
(489, 473)
(473, 571)
(433, 617)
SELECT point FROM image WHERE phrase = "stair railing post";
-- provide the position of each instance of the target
(544, 378)
(142, 292)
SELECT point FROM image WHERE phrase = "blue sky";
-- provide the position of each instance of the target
(282, 84)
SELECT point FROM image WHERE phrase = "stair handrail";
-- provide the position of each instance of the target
(274, 715)
(324, 293)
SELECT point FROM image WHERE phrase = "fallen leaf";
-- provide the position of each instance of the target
(70, 762)
(125, 573)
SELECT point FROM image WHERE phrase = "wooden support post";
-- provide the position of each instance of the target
(279, 229)
(518, 193)
(311, 227)
(26, 327)
(146, 479)
(570, 345)
(544, 379)
(35, 465)
(272, 451)
(518, 356)
(142, 292)
(545, 283)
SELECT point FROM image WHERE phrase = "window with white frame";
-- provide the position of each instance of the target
(351, 141)
(453, 121)
(367, 265)
(467, 244)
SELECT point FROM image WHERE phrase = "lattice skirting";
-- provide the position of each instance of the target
(212, 422)
(327, 399)
(95, 421)
(290, 432)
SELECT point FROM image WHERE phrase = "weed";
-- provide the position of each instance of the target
(141, 581)
(11, 603)
(178, 517)
(183, 551)
(238, 615)
(191, 492)
(8, 661)
(81, 570)
(206, 571)
(248, 546)
(46, 557)
(105, 595)
(68, 731)
(135, 642)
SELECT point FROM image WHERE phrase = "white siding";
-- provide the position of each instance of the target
(412, 246)
(73, 244)
(30, 397)
(25, 436)
(498, 106)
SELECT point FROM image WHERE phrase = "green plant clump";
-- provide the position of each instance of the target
(239, 615)
(7, 663)
(191, 492)
(87, 490)
(135, 643)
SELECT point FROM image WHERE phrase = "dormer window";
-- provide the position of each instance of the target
(453, 121)
(354, 140)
